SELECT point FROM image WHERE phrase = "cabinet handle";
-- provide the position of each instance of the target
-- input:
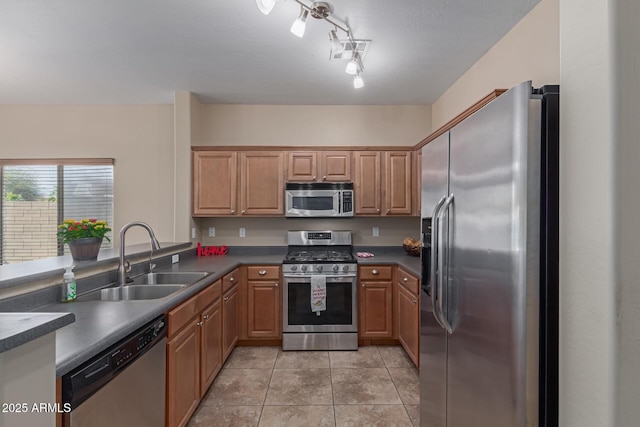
(375, 272)
(405, 279)
(262, 272)
(199, 324)
(226, 298)
(233, 279)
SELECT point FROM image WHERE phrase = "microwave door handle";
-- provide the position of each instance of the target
(339, 202)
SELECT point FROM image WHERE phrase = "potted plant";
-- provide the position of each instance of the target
(84, 237)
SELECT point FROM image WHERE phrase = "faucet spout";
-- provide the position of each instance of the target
(155, 245)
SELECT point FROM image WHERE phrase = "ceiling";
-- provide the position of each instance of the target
(226, 51)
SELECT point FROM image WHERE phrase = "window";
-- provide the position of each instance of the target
(37, 195)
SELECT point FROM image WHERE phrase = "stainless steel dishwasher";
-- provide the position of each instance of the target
(124, 385)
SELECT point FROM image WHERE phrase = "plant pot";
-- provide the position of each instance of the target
(85, 249)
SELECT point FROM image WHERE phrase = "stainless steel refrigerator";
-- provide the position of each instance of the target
(489, 300)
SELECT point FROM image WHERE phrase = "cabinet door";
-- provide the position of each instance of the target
(417, 182)
(302, 166)
(398, 183)
(367, 182)
(409, 322)
(335, 166)
(264, 309)
(375, 309)
(230, 307)
(214, 183)
(211, 348)
(262, 183)
(183, 375)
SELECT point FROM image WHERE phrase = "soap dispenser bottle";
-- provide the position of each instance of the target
(69, 286)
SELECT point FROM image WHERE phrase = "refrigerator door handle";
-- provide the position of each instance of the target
(434, 260)
(441, 266)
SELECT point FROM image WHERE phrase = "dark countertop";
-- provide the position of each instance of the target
(20, 328)
(100, 325)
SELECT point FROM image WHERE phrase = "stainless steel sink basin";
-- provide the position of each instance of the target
(169, 278)
(132, 293)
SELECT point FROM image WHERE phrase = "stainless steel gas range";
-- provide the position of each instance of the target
(319, 295)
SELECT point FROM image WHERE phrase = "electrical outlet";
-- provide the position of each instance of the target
(242, 232)
(212, 232)
(175, 258)
(193, 233)
(376, 231)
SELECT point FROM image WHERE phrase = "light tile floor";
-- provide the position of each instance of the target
(264, 386)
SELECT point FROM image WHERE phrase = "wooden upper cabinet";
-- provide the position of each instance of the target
(261, 183)
(367, 182)
(417, 182)
(214, 183)
(398, 180)
(311, 166)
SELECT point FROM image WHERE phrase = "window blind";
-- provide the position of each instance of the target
(37, 195)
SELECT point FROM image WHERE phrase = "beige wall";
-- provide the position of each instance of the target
(530, 51)
(312, 125)
(139, 137)
(273, 231)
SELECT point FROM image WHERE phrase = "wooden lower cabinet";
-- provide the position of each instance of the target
(230, 321)
(211, 360)
(194, 352)
(183, 374)
(264, 302)
(375, 302)
(408, 314)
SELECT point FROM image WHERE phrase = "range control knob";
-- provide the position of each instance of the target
(319, 268)
(294, 267)
(345, 268)
(336, 268)
(304, 268)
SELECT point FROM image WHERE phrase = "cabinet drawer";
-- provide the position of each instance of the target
(408, 281)
(180, 316)
(375, 272)
(257, 272)
(209, 295)
(230, 279)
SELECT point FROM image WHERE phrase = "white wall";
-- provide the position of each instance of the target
(139, 137)
(290, 125)
(529, 51)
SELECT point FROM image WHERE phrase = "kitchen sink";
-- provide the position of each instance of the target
(131, 293)
(169, 278)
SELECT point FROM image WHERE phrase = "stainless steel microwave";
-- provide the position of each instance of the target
(319, 199)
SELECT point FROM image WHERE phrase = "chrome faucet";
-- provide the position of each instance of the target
(124, 267)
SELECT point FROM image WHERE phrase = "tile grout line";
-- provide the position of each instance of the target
(333, 397)
(273, 367)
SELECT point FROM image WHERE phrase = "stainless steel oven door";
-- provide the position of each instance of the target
(341, 314)
(312, 203)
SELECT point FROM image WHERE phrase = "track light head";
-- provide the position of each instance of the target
(300, 24)
(336, 45)
(352, 65)
(266, 6)
(358, 82)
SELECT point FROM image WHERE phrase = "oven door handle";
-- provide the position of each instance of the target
(306, 278)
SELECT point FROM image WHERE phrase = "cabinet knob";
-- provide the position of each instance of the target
(262, 272)
(363, 285)
(324, 178)
(243, 211)
(205, 317)
(233, 279)
(404, 279)
(388, 210)
(414, 302)
(276, 285)
(233, 211)
(199, 324)
(226, 298)
(378, 210)
(375, 272)
(314, 177)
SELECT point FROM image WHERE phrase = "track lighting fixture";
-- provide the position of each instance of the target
(266, 6)
(300, 24)
(348, 47)
(357, 80)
